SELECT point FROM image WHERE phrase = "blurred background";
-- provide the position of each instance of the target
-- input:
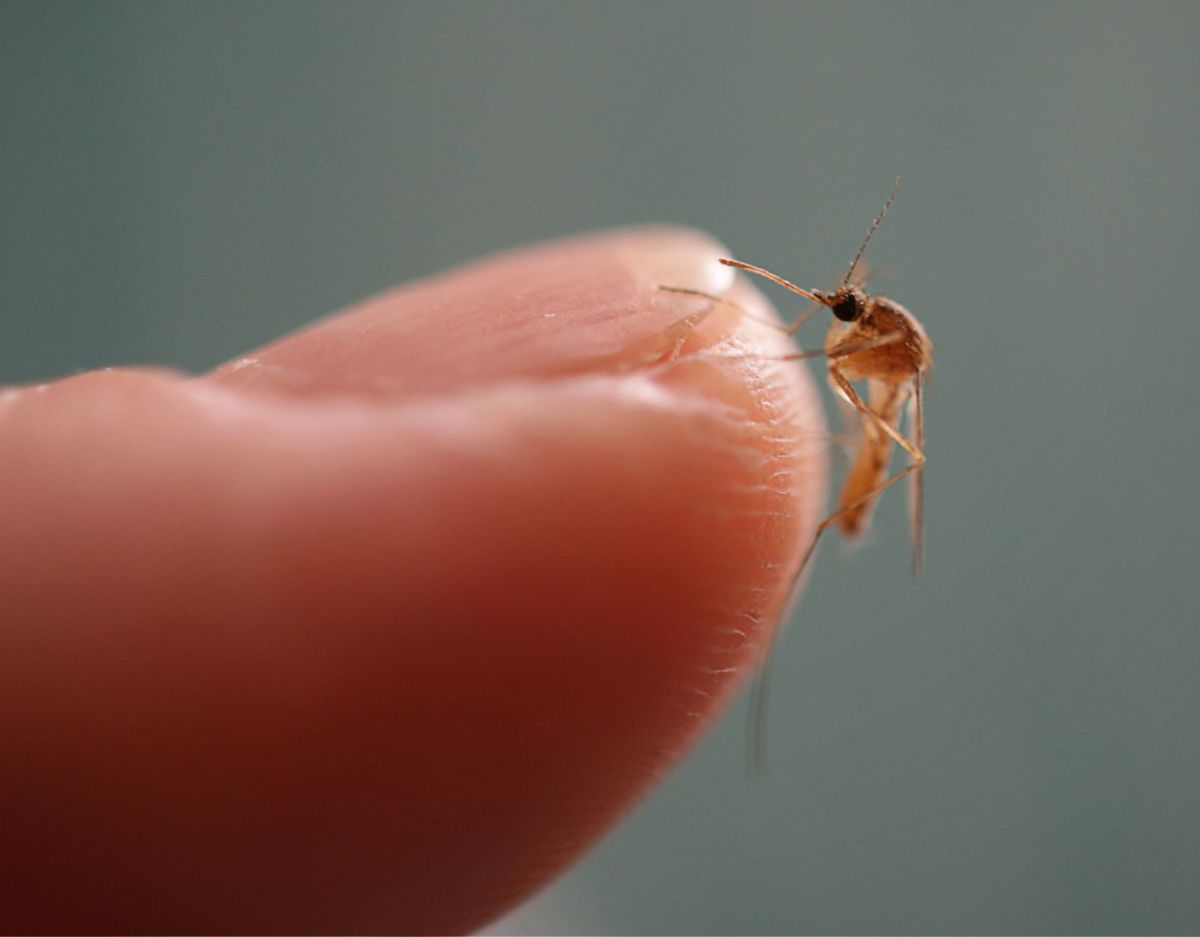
(1010, 744)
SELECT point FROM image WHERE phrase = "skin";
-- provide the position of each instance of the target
(377, 628)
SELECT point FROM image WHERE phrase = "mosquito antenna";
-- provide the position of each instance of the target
(874, 224)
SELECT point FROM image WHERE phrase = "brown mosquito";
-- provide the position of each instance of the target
(875, 340)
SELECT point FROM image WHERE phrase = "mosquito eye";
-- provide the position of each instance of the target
(847, 308)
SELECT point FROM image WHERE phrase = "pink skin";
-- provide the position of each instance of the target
(377, 628)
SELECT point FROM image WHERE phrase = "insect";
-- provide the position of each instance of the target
(875, 340)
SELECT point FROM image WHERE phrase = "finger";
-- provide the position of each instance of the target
(380, 630)
(583, 305)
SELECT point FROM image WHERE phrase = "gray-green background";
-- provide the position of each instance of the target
(1010, 744)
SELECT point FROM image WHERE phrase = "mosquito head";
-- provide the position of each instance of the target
(848, 303)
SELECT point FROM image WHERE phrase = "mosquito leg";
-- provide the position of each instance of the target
(840, 352)
(841, 512)
(866, 496)
(676, 334)
(803, 317)
(899, 438)
(844, 351)
(756, 738)
(722, 301)
(788, 329)
(914, 451)
(916, 511)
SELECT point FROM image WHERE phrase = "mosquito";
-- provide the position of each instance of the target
(875, 340)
